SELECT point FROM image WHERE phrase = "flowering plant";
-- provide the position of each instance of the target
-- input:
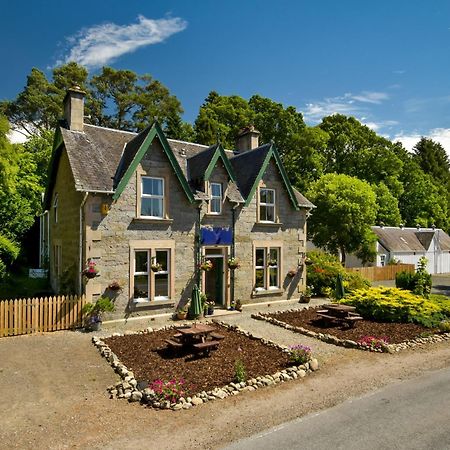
(300, 354)
(171, 390)
(90, 271)
(233, 263)
(373, 342)
(206, 265)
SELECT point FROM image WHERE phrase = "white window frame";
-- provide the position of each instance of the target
(151, 255)
(266, 268)
(267, 205)
(147, 272)
(215, 197)
(153, 196)
(55, 209)
(163, 272)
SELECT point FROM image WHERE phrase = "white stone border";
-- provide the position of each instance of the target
(128, 388)
(329, 339)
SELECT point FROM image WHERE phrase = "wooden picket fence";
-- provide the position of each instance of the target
(37, 315)
(382, 273)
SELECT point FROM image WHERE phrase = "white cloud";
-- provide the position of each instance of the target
(441, 135)
(348, 104)
(101, 44)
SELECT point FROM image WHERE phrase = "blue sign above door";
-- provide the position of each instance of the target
(216, 236)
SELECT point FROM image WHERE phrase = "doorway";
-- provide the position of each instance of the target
(214, 279)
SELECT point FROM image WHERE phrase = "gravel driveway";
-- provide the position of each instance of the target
(52, 394)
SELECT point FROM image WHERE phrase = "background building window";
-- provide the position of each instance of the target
(55, 209)
(267, 205)
(152, 197)
(216, 198)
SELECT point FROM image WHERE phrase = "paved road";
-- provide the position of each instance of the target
(411, 415)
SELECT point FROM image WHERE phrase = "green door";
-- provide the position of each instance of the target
(214, 282)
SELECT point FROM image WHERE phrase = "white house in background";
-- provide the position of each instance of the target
(408, 245)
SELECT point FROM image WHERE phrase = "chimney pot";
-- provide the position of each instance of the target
(247, 139)
(74, 108)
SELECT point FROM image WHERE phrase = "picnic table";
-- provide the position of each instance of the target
(198, 339)
(339, 314)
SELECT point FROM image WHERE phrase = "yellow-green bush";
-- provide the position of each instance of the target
(397, 305)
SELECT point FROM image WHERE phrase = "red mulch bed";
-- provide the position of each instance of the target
(394, 332)
(147, 357)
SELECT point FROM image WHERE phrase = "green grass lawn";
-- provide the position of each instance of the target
(21, 286)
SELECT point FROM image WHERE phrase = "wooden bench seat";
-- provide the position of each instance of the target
(217, 336)
(326, 316)
(206, 347)
(173, 344)
(178, 336)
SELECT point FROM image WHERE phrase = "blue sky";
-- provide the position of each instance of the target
(385, 62)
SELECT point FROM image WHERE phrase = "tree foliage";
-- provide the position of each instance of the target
(346, 209)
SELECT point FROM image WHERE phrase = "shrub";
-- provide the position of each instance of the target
(323, 272)
(239, 371)
(444, 326)
(300, 354)
(396, 305)
(419, 282)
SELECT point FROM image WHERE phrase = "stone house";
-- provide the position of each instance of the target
(148, 211)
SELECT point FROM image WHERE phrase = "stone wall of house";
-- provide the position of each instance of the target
(108, 236)
(65, 232)
(290, 231)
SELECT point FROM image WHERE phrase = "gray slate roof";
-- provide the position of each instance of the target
(100, 156)
(410, 239)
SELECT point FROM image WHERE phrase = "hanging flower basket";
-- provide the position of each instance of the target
(114, 286)
(292, 273)
(307, 261)
(90, 271)
(233, 264)
(206, 265)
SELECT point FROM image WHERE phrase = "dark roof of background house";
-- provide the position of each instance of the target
(410, 239)
(99, 157)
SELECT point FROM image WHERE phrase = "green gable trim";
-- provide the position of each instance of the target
(53, 165)
(273, 153)
(154, 131)
(220, 153)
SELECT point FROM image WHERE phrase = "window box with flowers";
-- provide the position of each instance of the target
(90, 270)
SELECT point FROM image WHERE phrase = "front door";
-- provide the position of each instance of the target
(214, 280)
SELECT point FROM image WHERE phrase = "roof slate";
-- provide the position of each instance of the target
(99, 157)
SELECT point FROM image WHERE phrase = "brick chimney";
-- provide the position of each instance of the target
(247, 139)
(74, 108)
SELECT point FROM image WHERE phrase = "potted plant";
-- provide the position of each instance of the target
(90, 271)
(233, 263)
(307, 261)
(306, 296)
(238, 305)
(206, 265)
(114, 286)
(94, 311)
(272, 262)
(155, 266)
(210, 307)
(182, 312)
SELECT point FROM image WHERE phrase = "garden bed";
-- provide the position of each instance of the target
(396, 335)
(147, 357)
(145, 365)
